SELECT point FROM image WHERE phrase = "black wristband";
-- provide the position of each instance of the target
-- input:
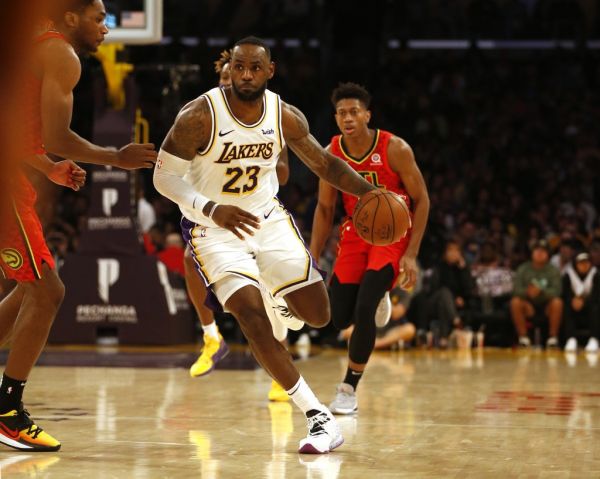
(207, 207)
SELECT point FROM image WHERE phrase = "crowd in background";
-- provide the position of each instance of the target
(507, 140)
(394, 18)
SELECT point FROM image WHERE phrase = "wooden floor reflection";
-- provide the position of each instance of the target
(423, 414)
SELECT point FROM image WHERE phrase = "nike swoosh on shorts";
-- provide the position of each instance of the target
(266, 215)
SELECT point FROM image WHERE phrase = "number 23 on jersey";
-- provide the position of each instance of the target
(240, 181)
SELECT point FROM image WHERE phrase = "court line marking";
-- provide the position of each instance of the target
(188, 444)
(421, 426)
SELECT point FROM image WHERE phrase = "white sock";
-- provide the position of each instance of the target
(211, 330)
(303, 396)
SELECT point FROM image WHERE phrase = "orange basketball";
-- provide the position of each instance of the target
(381, 217)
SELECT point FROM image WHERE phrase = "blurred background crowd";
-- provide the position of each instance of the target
(506, 138)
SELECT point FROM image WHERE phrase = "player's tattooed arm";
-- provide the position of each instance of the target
(323, 216)
(283, 167)
(191, 131)
(327, 166)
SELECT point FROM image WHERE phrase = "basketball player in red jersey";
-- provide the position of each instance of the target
(215, 347)
(364, 273)
(27, 313)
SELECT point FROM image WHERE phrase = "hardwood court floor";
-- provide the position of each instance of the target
(497, 414)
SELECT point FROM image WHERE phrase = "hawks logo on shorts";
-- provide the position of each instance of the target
(23, 249)
(12, 258)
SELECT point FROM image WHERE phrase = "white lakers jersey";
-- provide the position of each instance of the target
(238, 165)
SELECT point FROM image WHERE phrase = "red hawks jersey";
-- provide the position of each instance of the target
(373, 167)
(32, 107)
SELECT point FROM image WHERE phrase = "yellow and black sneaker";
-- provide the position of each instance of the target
(214, 350)
(18, 431)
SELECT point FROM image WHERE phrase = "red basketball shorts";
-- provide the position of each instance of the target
(23, 248)
(356, 256)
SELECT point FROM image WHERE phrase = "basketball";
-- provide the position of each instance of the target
(381, 217)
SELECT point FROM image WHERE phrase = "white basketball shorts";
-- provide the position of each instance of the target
(275, 256)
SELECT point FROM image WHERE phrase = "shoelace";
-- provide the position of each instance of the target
(316, 423)
(285, 312)
(32, 430)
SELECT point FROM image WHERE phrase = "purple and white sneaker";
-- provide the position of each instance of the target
(324, 434)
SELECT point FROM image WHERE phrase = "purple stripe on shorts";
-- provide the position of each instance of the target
(211, 300)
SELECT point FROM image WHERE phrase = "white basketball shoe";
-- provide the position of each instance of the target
(384, 311)
(345, 401)
(592, 345)
(277, 309)
(324, 434)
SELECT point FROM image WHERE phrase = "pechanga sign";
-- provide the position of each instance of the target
(110, 225)
(112, 287)
(135, 297)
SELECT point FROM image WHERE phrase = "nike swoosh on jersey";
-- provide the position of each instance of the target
(222, 133)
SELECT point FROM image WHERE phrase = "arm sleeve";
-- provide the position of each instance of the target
(169, 182)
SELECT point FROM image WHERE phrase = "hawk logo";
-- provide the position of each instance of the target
(376, 159)
(12, 258)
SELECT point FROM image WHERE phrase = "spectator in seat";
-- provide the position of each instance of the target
(172, 254)
(537, 293)
(446, 293)
(491, 278)
(562, 259)
(145, 212)
(154, 240)
(493, 287)
(581, 296)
